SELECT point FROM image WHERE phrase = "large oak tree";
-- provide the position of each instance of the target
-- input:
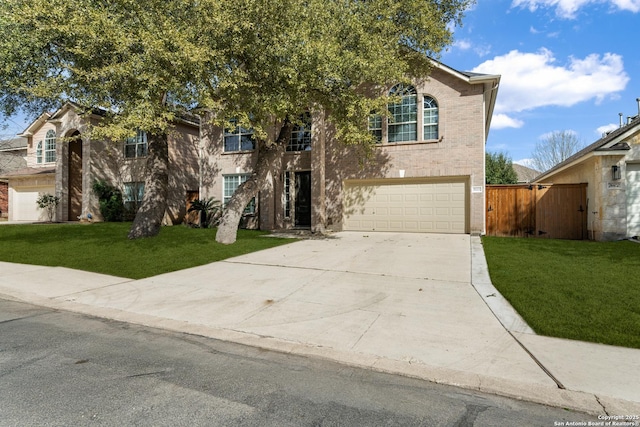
(259, 62)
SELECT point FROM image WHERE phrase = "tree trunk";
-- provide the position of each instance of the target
(269, 160)
(149, 217)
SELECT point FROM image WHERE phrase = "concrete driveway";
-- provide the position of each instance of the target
(384, 300)
(412, 304)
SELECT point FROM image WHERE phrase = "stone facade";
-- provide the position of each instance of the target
(608, 204)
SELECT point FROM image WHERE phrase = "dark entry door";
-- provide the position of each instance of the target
(303, 199)
(75, 178)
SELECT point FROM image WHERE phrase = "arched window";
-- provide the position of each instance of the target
(39, 152)
(430, 118)
(403, 123)
(50, 147)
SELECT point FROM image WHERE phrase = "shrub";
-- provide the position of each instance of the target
(48, 202)
(110, 199)
(208, 210)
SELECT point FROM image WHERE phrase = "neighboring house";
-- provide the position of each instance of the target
(525, 174)
(13, 154)
(611, 168)
(426, 173)
(64, 161)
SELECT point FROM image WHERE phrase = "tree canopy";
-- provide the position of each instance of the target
(499, 169)
(258, 61)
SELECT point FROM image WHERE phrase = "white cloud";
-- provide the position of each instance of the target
(482, 50)
(567, 8)
(534, 80)
(502, 121)
(630, 5)
(606, 128)
(462, 44)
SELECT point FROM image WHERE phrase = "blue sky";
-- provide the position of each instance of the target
(565, 64)
(568, 65)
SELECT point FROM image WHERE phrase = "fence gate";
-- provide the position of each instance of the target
(557, 211)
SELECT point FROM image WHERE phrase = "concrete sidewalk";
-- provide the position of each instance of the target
(420, 305)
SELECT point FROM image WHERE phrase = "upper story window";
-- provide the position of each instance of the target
(136, 146)
(39, 152)
(238, 139)
(300, 139)
(375, 127)
(430, 118)
(403, 123)
(46, 152)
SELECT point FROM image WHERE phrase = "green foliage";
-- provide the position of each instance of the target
(207, 209)
(146, 62)
(103, 247)
(575, 289)
(499, 169)
(256, 60)
(48, 202)
(110, 199)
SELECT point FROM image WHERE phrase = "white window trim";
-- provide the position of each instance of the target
(139, 144)
(435, 124)
(299, 131)
(420, 124)
(128, 196)
(49, 147)
(251, 207)
(39, 152)
(238, 132)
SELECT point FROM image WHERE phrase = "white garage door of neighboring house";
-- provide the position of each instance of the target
(22, 203)
(422, 206)
(633, 199)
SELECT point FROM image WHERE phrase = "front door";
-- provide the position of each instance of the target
(75, 178)
(303, 199)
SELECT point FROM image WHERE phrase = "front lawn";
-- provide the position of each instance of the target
(104, 247)
(581, 290)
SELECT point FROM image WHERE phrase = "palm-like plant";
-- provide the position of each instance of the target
(207, 208)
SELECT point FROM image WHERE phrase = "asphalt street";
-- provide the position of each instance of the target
(61, 368)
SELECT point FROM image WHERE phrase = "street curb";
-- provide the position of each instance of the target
(550, 396)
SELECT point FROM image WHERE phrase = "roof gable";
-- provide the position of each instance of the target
(613, 141)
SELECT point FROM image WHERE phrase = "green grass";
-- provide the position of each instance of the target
(581, 290)
(104, 247)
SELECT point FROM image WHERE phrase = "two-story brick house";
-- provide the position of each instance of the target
(63, 160)
(426, 173)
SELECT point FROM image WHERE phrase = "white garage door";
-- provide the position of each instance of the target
(22, 203)
(434, 206)
(633, 199)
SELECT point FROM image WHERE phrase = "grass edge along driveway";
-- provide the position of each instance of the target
(104, 247)
(581, 290)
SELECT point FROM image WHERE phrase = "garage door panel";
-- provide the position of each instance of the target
(417, 207)
(23, 205)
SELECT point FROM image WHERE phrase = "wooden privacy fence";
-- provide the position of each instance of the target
(557, 211)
